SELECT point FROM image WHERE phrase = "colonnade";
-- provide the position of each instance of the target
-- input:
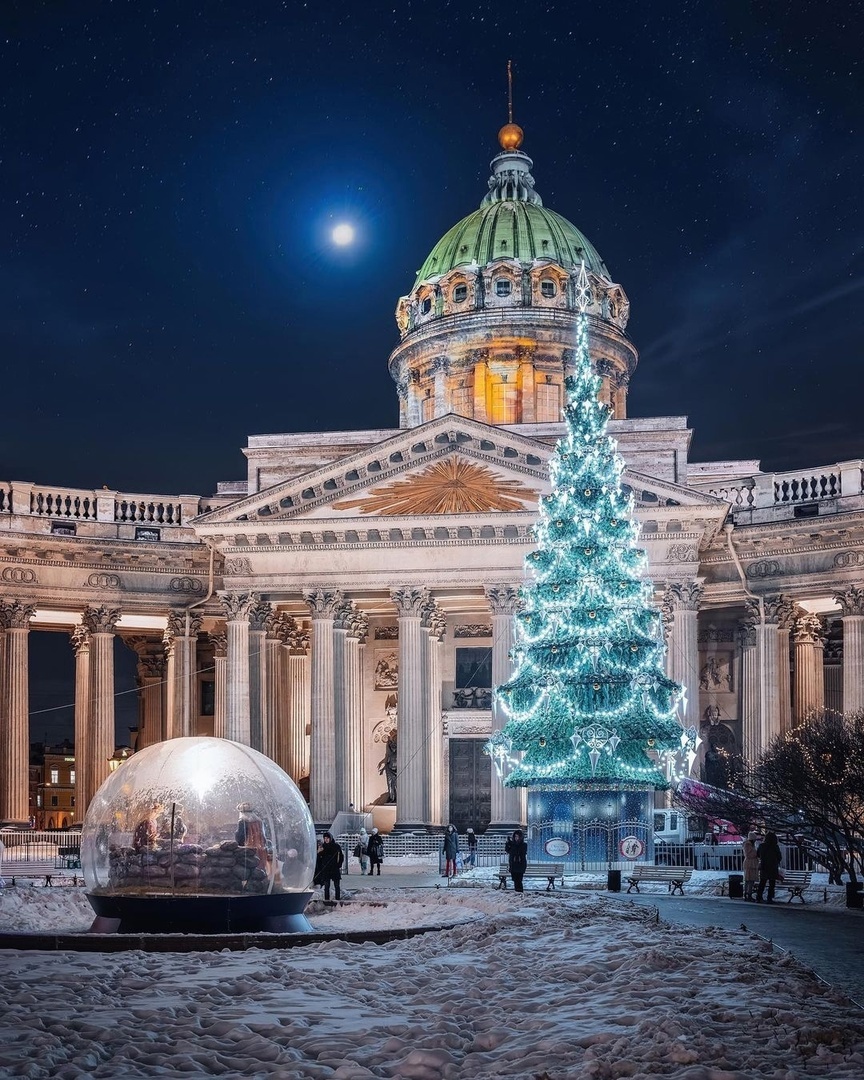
(297, 694)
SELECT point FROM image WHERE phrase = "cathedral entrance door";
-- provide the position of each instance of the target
(470, 785)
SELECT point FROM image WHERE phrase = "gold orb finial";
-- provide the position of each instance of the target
(510, 136)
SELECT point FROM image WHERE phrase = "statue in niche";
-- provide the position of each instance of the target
(387, 766)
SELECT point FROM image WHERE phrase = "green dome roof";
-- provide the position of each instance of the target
(511, 229)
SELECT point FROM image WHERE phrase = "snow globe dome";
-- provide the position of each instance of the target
(198, 818)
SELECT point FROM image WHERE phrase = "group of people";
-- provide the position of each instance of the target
(368, 851)
(453, 859)
(761, 867)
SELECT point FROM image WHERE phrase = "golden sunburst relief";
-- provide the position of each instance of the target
(452, 486)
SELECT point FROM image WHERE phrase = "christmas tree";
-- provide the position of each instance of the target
(589, 705)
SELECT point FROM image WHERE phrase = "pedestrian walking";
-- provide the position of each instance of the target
(517, 857)
(375, 848)
(770, 858)
(450, 851)
(361, 850)
(751, 865)
(471, 859)
(328, 866)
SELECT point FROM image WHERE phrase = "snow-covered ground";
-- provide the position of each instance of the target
(557, 987)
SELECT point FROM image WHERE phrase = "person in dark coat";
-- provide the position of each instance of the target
(375, 849)
(328, 866)
(471, 837)
(770, 858)
(517, 857)
(450, 850)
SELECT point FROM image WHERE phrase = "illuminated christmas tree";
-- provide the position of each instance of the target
(590, 708)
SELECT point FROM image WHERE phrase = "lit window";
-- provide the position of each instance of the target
(503, 403)
(503, 287)
(426, 306)
(548, 289)
(55, 776)
(548, 403)
(71, 776)
(460, 294)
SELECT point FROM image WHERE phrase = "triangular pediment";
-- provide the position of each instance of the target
(448, 466)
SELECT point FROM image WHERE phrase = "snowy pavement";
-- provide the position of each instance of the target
(553, 986)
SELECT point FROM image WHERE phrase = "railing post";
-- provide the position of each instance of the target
(21, 492)
(763, 489)
(850, 477)
(105, 505)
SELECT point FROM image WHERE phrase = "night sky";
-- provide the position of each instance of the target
(170, 173)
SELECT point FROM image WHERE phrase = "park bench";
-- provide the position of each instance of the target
(547, 872)
(676, 877)
(37, 868)
(796, 881)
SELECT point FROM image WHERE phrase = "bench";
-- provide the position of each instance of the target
(37, 868)
(676, 877)
(796, 881)
(547, 872)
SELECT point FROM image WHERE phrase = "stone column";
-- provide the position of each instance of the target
(505, 602)
(181, 651)
(340, 719)
(101, 743)
(786, 613)
(80, 638)
(292, 740)
(260, 615)
(749, 690)
(681, 602)
(323, 605)
(355, 644)
(851, 602)
(809, 676)
(273, 691)
(151, 677)
(220, 694)
(237, 715)
(412, 748)
(435, 624)
(15, 734)
(775, 608)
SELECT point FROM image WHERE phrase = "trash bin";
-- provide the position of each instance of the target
(854, 895)
(613, 881)
(736, 886)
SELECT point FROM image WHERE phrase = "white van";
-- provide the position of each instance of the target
(670, 826)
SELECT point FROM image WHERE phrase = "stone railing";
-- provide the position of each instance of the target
(120, 508)
(772, 490)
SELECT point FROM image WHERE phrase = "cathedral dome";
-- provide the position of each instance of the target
(511, 229)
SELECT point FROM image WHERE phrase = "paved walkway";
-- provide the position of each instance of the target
(828, 939)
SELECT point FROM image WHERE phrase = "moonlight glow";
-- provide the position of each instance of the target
(343, 234)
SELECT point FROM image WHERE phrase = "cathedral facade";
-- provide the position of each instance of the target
(350, 603)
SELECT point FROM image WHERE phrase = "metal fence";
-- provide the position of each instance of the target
(27, 847)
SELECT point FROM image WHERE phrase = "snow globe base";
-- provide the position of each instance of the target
(276, 914)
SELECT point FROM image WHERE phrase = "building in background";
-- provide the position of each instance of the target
(358, 582)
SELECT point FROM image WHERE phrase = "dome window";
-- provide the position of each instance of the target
(503, 287)
(426, 306)
(460, 294)
(548, 288)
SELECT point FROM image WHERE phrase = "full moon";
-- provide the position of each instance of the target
(343, 234)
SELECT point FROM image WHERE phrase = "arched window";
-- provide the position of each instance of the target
(426, 306)
(460, 294)
(548, 288)
(503, 286)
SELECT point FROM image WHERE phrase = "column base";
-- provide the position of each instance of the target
(502, 828)
(403, 827)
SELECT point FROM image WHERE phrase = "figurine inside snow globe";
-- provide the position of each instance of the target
(198, 835)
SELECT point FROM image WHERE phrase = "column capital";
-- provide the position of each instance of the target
(323, 603)
(747, 632)
(177, 624)
(851, 601)
(80, 638)
(16, 615)
(779, 610)
(504, 599)
(433, 618)
(409, 600)
(101, 620)
(260, 614)
(238, 605)
(683, 595)
(290, 633)
(220, 644)
(808, 630)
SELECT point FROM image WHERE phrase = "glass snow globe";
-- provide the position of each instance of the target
(212, 827)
